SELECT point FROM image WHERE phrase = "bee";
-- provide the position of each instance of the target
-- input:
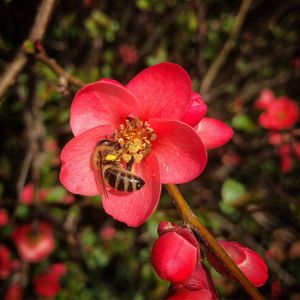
(107, 160)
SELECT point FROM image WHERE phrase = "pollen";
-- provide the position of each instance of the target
(135, 138)
(111, 157)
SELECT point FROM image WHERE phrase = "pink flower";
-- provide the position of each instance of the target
(3, 217)
(174, 254)
(184, 294)
(283, 113)
(27, 194)
(250, 263)
(275, 138)
(128, 54)
(5, 263)
(34, 244)
(14, 292)
(108, 232)
(47, 284)
(144, 121)
(265, 100)
(198, 285)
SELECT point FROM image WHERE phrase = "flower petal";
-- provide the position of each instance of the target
(134, 208)
(101, 103)
(213, 133)
(163, 90)
(77, 173)
(196, 111)
(265, 99)
(179, 150)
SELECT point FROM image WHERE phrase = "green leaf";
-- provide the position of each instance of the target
(234, 193)
(243, 122)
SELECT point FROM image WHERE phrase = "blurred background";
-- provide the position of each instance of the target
(248, 192)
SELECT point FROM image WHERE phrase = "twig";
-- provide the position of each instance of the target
(228, 46)
(189, 217)
(37, 31)
(57, 69)
(201, 35)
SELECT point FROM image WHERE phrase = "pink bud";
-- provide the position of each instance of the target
(199, 280)
(173, 257)
(196, 112)
(266, 98)
(165, 226)
(184, 294)
(250, 263)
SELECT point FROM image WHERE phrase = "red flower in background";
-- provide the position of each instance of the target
(129, 54)
(14, 292)
(27, 194)
(146, 119)
(48, 284)
(3, 217)
(5, 263)
(250, 263)
(34, 244)
(280, 113)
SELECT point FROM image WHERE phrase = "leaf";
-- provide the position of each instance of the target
(243, 122)
(234, 193)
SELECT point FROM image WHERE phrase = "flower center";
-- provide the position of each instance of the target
(134, 138)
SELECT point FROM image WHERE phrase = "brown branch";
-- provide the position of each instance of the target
(228, 46)
(58, 70)
(189, 217)
(37, 31)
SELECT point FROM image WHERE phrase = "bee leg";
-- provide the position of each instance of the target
(129, 165)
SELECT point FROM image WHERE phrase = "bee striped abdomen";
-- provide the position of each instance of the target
(122, 180)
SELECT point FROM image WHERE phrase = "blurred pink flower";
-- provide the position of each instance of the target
(5, 263)
(34, 244)
(250, 263)
(108, 232)
(27, 194)
(265, 100)
(147, 116)
(281, 114)
(48, 284)
(3, 217)
(14, 292)
(128, 54)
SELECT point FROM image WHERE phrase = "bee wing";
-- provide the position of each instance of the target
(97, 166)
(105, 194)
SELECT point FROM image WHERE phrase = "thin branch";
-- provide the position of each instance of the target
(228, 46)
(57, 69)
(37, 31)
(210, 242)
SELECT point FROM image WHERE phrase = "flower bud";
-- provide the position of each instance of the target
(174, 256)
(196, 112)
(184, 294)
(250, 263)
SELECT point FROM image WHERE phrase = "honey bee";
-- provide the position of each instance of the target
(107, 160)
